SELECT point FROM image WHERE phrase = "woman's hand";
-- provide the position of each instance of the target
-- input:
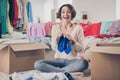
(69, 36)
(58, 36)
(84, 57)
(67, 31)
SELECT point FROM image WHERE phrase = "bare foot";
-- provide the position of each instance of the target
(77, 74)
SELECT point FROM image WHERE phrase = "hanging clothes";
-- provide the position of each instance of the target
(13, 12)
(29, 12)
(0, 22)
(0, 30)
(20, 22)
(10, 27)
(25, 27)
(3, 16)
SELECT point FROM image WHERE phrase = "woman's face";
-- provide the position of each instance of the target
(66, 14)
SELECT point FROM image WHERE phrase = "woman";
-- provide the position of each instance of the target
(67, 42)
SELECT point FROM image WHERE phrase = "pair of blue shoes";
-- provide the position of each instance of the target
(69, 76)
(64, 44)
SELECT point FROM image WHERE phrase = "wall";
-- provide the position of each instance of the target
(117, 9)
(98, 10)
(38, 9)
(42, 9)
(48, 7)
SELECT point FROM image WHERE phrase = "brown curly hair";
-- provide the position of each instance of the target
(73, 12)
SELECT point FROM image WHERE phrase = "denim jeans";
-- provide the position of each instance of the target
(61, 65)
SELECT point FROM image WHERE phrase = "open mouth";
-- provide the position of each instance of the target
(65, 17)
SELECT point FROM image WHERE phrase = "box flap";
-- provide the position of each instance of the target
(2, 46)
(108, 44)
(28, 46)
(109, 48)
(19, 41)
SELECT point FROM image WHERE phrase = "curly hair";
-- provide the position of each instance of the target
(73, 12)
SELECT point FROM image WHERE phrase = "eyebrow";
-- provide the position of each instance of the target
(64, 9)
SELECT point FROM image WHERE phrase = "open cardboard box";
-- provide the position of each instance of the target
(105, 61)
(17, 57)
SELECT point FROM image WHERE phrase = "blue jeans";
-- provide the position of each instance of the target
(61, 65)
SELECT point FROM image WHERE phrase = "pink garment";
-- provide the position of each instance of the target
(114, 27)
(36, 30)
(48, 27)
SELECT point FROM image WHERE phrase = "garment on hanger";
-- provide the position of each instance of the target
(3, 16)
(0, 30)
(20, 21)
(29, 12)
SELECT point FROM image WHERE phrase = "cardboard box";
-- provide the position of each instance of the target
(105, 61)
(17, 57)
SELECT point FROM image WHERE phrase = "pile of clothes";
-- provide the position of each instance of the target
(37, 75)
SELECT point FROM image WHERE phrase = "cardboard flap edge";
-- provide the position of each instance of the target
(26, 47)
(105, 49)
(2, 46)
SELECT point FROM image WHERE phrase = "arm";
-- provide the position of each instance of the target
(78, 45)
(54, 37)
(56, 33)
(78, 41)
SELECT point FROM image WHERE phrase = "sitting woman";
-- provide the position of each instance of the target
(67, 42)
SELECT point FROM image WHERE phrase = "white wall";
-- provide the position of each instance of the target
(38, 9)
(48, 6)
(117, 9)
(42, 9)
(98, 10)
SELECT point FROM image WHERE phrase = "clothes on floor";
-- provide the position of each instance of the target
(36, 75)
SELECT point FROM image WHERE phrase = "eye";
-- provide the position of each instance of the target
(63, 11)
(69, 11)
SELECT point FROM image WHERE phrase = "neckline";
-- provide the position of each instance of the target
(73, 25)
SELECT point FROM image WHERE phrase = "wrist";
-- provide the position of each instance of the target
(73, 41)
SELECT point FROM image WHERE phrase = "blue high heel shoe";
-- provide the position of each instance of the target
(68, 46)
(61, 44)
